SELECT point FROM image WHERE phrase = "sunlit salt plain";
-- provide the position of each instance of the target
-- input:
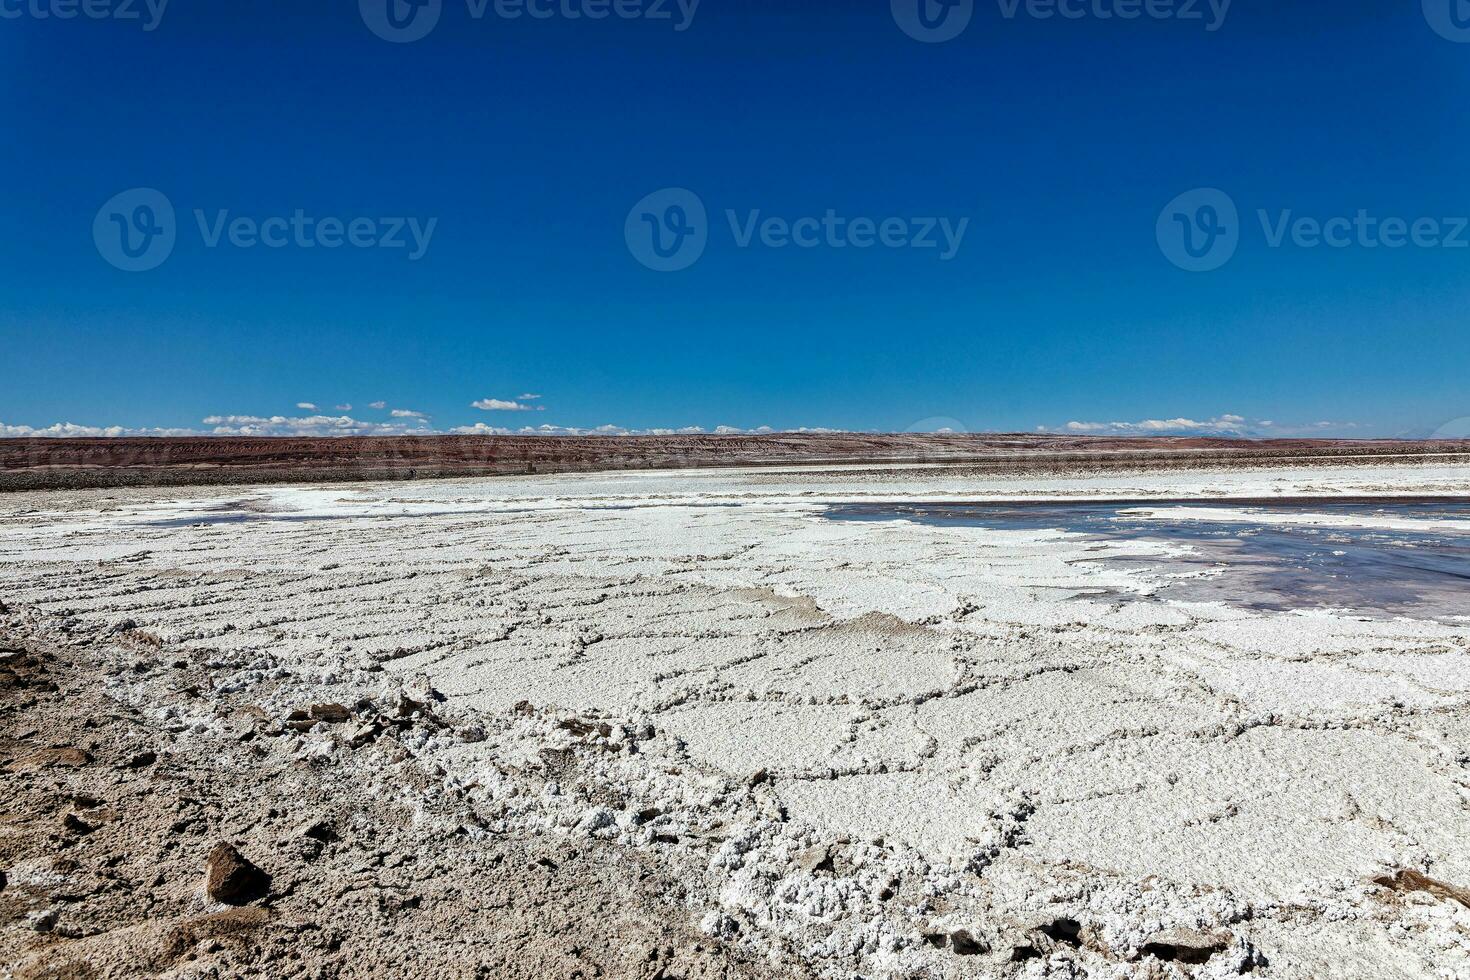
(1006, 728)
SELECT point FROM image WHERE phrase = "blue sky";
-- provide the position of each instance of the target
(519, 147)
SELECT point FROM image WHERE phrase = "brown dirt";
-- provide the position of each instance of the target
(31, 464)
(110, 816)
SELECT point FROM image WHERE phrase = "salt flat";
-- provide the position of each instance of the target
(881, 746)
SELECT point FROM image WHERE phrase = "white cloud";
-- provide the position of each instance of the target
(343, 408)
(306, 406)
(413, 423)
(311, 425)
(500, 405)
(527, 398)
(378, 405)
(481, 429)
(1221, 425)
(69, 430)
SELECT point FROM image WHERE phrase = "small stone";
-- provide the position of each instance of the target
(815, 859)
(76, 825)
(417, 688)
(363, 734)
(332, 714)
(141, 760)
(758, 777)
(230, 878)
(43, 921)
(318, 830)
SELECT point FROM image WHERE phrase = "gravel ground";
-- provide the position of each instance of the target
(365, 867)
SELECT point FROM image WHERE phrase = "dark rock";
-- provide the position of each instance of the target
(332, 714)
(230, 878)
(318, 830)
(1191, 946)
(76, 825)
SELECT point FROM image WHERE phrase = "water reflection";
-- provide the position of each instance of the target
(1343, 564)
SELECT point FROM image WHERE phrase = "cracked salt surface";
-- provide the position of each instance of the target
(889, 746)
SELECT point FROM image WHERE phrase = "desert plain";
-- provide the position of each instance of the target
(702, 722)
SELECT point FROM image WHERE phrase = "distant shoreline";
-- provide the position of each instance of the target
(40, 464)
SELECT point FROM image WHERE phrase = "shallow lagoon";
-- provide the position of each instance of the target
(1348, 561)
